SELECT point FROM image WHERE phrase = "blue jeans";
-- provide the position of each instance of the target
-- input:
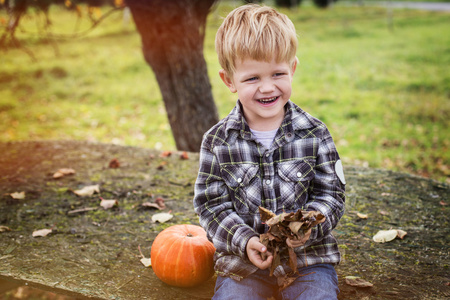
(320, 285)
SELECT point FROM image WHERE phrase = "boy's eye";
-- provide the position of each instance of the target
(279, 74)
(251, 79)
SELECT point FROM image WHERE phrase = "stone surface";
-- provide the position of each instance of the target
(94, 254)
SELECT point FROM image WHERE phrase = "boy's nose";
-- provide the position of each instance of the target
(266, 86)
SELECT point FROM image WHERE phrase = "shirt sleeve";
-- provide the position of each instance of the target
(224, 227)
(327, 190)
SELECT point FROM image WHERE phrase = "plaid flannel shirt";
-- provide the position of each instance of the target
(237, 175)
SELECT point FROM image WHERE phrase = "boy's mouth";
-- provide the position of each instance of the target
(268, 100)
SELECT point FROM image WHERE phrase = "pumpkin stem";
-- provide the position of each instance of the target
(189, 235)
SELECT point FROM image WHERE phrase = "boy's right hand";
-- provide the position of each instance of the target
(254, 249)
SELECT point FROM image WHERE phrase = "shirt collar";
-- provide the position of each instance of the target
(236, 121)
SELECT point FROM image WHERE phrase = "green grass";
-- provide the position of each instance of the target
(383, 91)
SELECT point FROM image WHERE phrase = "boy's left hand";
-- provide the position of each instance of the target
(299, 242)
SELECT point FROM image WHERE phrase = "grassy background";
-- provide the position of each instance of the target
(381, 86)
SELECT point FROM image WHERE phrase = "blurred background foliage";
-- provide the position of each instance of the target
(377, 77)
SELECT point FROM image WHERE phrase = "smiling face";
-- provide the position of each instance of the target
(263, 89)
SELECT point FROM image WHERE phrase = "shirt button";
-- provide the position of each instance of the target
(267, 154)
(299, 174)
(268, 181)
(239, 180)
(289, 134)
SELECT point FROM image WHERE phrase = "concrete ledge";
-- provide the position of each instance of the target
(94, 255)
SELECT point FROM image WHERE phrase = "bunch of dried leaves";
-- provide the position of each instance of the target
(293, 225)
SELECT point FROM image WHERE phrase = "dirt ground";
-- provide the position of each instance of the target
(94, 253)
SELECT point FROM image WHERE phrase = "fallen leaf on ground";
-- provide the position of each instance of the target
(107, 204)
(81, 210)
(6, 256)
(147, 262)
(357, 281)
(362, 216)
(161, 165)
(41, 232)
(88, 190)
(166, 154)
(443, 203)
(158, 204)
(63, 172)
(18, 195)
(184, 155)
(4, 228)
(114, 163)
(401, 234)
(384, 236)
(162, 217)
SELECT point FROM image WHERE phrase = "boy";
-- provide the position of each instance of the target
(267, 152)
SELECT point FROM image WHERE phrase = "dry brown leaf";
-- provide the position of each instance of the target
(4, 228)
(161, 165)
(284, 282)
(384, 236)
(295, 226)
(362, 216)
(166, 154)
(401, 234)
(18, 195)
(150, 205)
(107, 204)
(114, 163)
(291, 225)
(158, 204)
(41, 232)
(88, 190)
(63, 172)
(357, 281)
(292, 259)
(147, 262)
(265, 214)
(162, 217)
(184, 155)
(276, 261)
(81, 210)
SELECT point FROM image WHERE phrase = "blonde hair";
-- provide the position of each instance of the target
(255, 32)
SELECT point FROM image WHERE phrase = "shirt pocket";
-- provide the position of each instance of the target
(295, 182)
(243, 185)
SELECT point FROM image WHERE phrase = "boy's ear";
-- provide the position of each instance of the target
(294, 66)
(227, 80)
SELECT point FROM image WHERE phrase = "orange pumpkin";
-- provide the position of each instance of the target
(182, 255)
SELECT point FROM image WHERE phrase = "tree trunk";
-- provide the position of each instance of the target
(172, 33)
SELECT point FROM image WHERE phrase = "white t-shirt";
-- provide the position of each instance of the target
(264, 137)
